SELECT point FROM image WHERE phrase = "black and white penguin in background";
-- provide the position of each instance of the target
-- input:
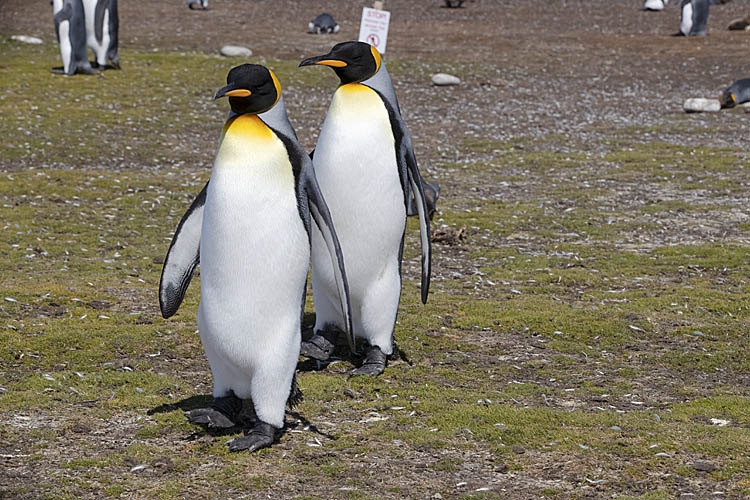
(70, 28)
(250, 230)
(102, 27)
(737, 93)
(694, 17)
(363, 143)
(323, 24)
(197, 4)
(655, 5)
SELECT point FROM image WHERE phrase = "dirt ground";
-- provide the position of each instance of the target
(550, 78)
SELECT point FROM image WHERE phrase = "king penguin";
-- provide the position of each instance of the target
(737, 93)
(250, 230)
(365, 163)
(102, 26)
(70, 28)
(694, 17)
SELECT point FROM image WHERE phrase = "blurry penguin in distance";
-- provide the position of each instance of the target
(323, 24)
(197, 4)
(655, 5)
(737, 93)
(693, 17)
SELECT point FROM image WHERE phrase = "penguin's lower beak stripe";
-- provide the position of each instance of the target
(332, 63)
(732, 97)
(231, 91)
(238, 93)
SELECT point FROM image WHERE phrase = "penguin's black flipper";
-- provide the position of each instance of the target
(322, 217)
(182, 257)
(412, 171)
(411, 180)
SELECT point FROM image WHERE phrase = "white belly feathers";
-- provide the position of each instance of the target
(254, 250)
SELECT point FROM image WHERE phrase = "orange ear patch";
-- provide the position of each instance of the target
(277, 85)
(376, 56)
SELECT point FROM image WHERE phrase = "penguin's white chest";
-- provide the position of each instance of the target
(355, 157)
(686, 23)
(254, 247)
(355, 163)
(99, 49)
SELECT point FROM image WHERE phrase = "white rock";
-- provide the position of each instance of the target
(443, 79)
(235, 51)
(699, 104)
(26, 39)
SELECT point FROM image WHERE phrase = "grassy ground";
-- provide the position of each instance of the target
(587, 338)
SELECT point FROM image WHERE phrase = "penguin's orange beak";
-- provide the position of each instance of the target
(333, 63)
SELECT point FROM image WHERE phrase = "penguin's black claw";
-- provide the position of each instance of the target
(260, 436)
(222, 414)
(319, 347)
(210, 418)
(58, 70)
(374, 363)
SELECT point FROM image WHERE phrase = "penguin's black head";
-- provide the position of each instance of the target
(352, 61)
(727, 100)
(251, 89)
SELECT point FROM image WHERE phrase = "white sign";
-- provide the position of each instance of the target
(374, 27)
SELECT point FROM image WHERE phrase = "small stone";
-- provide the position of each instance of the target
(518, 449)
(350, 393)
(235, 51)
(615, 428)
(81, 429)
(443, 79)
(700, 105)
(26, 39)
(719, 421)
(704, 466)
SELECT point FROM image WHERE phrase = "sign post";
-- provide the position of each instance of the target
(374, 27)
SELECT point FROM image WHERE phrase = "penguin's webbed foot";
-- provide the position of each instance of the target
(260, 436)
(374, 363)
(209, 417)
(320, 346)
(222, 414)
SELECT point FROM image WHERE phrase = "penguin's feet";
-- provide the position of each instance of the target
(260, 436)
(374, 363)
(210, 418)
(222, 414)
(320, 346)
